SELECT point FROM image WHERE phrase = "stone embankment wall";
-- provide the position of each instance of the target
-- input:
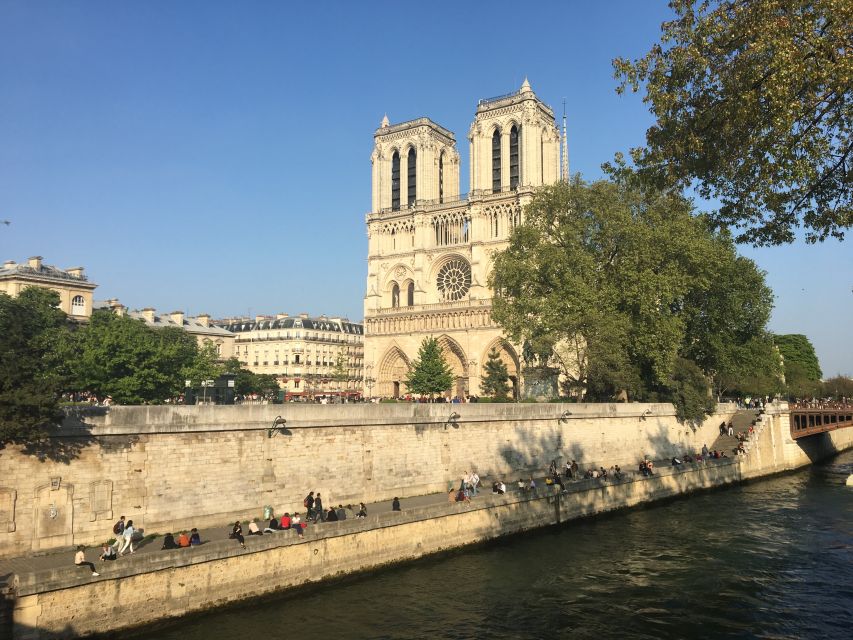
(174, 467)
(64, 603)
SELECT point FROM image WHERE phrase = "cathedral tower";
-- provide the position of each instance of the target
(430, 250)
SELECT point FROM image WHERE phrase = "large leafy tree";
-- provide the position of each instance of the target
(123, 358)
(753, 102)
(802, 368)
(33, 338)
(430, 374)
(496, 378)
(626, 280)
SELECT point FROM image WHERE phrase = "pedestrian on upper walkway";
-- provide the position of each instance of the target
(128, 538)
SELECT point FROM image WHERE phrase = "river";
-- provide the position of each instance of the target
(770, 559)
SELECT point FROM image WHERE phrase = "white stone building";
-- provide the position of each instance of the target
(430, 249)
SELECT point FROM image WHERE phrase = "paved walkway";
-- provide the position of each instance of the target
(58, 559)
(740, 422)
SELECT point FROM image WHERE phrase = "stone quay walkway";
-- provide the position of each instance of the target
(64, 558)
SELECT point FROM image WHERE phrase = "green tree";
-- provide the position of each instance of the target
(496, 378)
(340, 372)
(753, 104)
(838, 387)
(33, 335)
(247, 382)
(624, 283)
(690, 392)
(205, 365)
(801, 366)
(123, 358)
(430, 374)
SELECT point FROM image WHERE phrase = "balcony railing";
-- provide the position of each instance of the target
(476, 194)
(437, 307)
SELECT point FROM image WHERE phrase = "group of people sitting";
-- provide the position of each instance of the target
(184, 540)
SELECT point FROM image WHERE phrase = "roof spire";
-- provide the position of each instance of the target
(385, 122)
(525, 86)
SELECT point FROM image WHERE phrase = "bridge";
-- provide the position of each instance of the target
(809, 419)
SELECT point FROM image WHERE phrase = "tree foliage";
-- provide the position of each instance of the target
(33, 337)
(802, 368)
(429, 374)
(753, 103)
(496, 378)
(122, 358)
(627, 282)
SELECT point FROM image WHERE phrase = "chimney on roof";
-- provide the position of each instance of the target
(75, 272)
(177, 317)
(281, 316)
(304, 316)
(35, 262)
(9, 264)
(148, 314)
(260, 318)
(203, 319)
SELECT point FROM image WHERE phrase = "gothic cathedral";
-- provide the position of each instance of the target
(430, 248)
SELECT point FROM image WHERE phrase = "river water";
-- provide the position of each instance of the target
(770, 559)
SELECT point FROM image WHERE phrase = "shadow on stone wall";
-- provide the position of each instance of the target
(818, 447)
(63, 443)
(538, 453)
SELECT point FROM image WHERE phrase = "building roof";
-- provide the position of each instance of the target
(241, 325)
(190, 325)
(43, 273)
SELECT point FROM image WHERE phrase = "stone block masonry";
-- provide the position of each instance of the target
(173, 467)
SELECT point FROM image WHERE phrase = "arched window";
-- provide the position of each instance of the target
(395, 181)
(410, 294)
(395, 295)
(412, 172)
(78, 306)
(514, 175)
(441, 177)
(496, 161)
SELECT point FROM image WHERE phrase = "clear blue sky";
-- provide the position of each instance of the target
(215, 156)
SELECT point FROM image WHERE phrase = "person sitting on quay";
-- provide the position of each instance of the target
(237, 534)
(602, 472)
(284, 523)
(297, 525)
(575, 470)
(80, 561)
(272, 525)
(675, 461)
(107, 553)
(532, 485)
(254, 529)
(704, 450)
(331, 515)
(521, 485)
(617, 472)
(341, 512)
(644, 469)
(183, 540)
(362, 511)
(169, 542)
(567, 472)
(395, 504)
(195, 538)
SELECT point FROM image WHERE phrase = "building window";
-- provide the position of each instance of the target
(410, 294)
(412, 173)
(496, 161)
(395, 295)
(78, 306)
(395, 181)
(513, 157)
(441, 177)
(454, 280)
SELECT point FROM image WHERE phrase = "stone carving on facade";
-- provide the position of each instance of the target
(8, 498)
(101, 500)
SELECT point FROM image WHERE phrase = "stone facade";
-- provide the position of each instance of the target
(173, 467)
(430, 250)
(309, 357)
(74, 289)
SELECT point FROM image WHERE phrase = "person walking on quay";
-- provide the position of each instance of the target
(308, 503)
(80, 561)
(362, 511)
(128, 538)
(475, 480)
(319, 514)
(118, 532)
(395, 504)
(237, 534)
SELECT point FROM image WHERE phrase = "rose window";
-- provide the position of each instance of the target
(454, 280)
